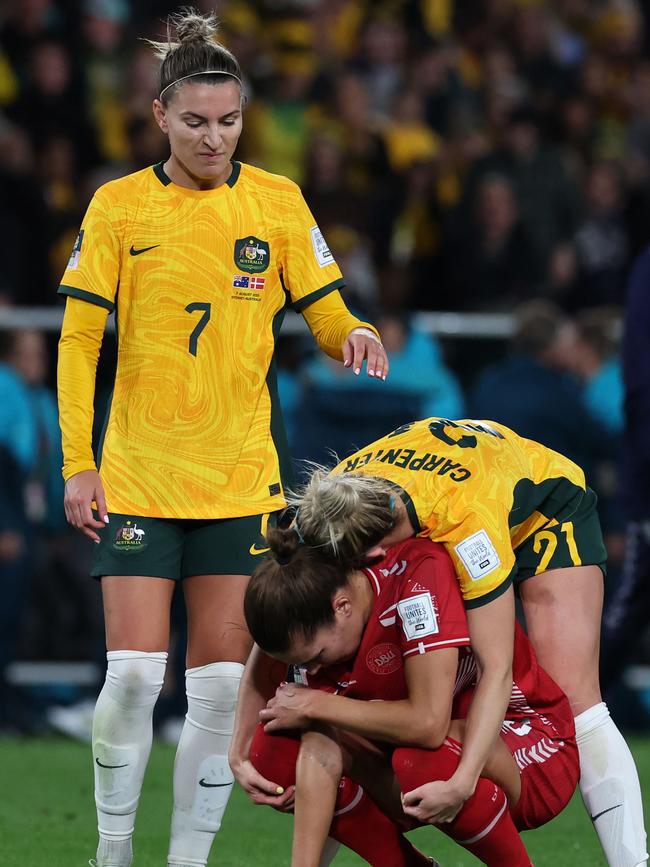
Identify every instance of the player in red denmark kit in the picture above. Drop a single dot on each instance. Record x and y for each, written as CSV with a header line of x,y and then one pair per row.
x,y
397,632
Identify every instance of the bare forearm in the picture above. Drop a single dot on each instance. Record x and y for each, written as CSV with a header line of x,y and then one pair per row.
x,y
257,685
318,772
398,722
484,719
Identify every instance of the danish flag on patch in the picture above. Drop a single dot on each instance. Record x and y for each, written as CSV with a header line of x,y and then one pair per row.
x,y
256,282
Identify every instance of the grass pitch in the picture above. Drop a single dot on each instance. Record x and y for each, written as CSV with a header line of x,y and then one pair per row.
x,y
47,817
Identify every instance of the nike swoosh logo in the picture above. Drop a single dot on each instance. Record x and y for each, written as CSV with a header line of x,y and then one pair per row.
x,y
254,550
135,252
101,765
205,785
608,810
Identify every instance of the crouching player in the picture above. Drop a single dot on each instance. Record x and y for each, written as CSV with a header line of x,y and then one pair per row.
x,y
383,653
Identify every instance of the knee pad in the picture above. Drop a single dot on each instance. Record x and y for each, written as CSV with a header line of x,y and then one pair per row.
x,y
212,695
134,678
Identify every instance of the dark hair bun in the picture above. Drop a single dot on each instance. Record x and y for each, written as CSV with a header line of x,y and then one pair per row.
x,y
283,543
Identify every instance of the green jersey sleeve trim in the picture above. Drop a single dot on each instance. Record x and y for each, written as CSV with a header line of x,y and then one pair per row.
x,y
86,296
492,595
302,303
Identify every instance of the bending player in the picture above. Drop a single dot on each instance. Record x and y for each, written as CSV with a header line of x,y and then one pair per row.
x,y
398,632
511,514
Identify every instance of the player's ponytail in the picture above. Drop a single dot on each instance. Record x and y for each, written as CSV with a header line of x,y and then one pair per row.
x,y
195,51
290,593
344,515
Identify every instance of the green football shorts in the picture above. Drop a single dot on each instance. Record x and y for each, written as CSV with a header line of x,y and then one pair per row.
x,y
176,549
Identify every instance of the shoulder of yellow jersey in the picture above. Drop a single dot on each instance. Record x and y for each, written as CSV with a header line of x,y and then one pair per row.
x,y
125,188
267,180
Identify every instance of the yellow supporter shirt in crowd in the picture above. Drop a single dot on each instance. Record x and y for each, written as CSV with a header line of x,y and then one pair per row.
x,y
476,487
200,282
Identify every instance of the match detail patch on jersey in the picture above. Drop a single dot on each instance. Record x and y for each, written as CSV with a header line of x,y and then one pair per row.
x,y
321,250
478,555
73,262
418,616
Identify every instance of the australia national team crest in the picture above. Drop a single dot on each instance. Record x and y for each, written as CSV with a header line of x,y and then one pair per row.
x,y
251,254
129,538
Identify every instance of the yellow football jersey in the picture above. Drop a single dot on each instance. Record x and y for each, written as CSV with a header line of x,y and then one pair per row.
x,y
200,282
476,487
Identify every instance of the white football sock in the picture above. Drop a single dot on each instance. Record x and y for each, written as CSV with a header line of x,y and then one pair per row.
x,y
122,734
610,788
203,780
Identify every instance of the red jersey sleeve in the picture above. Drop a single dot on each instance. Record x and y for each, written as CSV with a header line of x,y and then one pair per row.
x,y
430,612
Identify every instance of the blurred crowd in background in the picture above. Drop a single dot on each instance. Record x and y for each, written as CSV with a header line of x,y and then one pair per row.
x,y
458,155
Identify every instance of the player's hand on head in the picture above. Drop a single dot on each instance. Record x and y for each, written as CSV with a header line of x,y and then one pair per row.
x,y
260,790
360,344
81,491
434,803
288,709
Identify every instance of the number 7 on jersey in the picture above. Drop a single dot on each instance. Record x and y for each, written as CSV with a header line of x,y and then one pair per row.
x,y
203,321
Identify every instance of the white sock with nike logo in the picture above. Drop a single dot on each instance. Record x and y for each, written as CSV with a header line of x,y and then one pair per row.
x,y
122,734
203,780
610,788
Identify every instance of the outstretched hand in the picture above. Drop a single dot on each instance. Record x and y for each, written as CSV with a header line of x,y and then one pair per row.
x,y
81,491
362,343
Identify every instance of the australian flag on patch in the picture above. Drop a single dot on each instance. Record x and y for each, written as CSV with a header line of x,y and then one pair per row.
x,y
240,281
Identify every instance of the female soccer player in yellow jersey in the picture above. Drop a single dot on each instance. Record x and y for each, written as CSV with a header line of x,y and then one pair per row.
x,y
199,258
512,514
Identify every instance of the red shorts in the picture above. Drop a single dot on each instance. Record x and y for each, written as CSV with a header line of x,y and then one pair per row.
x,y
549,769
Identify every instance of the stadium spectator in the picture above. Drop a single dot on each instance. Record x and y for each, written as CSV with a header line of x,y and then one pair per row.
x,y
531,392
602,247
594,358
490,262
335,413
147,244
18,455
628,609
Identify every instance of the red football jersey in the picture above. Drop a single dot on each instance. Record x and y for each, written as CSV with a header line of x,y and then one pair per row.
x,y
418,609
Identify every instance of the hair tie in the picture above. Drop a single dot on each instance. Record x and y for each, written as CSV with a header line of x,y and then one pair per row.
x,y
391,503
296,530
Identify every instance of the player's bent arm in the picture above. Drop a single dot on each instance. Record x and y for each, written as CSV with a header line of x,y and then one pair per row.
x,y
420,720
259,681
331,322
491,628
318,773
79,345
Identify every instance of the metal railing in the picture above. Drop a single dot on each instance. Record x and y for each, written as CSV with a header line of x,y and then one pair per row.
x,y
497,326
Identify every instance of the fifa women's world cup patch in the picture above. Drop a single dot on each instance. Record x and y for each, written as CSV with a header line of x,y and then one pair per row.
x,y
321,250
252,254
478,554
129,538
418,616
73,262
